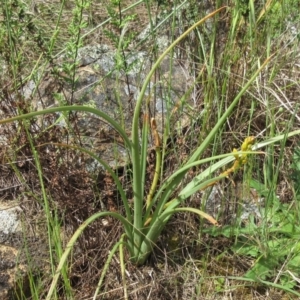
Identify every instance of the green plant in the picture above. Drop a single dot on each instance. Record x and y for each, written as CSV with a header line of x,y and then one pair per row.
x,y
143,224
18,32
119,35
279,255
273,242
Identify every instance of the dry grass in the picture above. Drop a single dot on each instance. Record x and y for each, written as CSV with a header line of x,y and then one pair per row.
x,y
186,263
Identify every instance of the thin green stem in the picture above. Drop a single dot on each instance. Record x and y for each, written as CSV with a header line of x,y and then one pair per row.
x,y
97,112
106,265
122,264
75,237
136,157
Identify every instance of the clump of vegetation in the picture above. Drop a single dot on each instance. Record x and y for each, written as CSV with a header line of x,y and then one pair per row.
x,y
241,97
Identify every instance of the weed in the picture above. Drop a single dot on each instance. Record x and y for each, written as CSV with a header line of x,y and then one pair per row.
x,y
228,100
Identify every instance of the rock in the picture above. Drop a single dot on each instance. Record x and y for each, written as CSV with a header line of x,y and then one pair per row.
x,y
9,220
233,201
102,82
16,250
10,226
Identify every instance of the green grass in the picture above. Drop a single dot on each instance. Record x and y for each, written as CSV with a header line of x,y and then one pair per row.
x,y
244,73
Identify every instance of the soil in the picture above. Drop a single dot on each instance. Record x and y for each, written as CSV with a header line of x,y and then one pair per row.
x,y
77,187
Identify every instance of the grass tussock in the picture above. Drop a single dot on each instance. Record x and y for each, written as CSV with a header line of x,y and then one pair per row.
x,y
241,69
